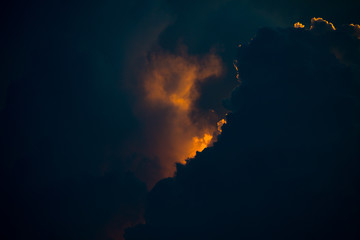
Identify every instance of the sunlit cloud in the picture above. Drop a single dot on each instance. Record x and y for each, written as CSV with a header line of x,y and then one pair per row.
x,y
176,128
321,24
299,25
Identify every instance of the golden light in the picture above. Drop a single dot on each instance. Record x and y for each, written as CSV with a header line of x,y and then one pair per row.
x,y
299,25
200,144
220,124
356,29
171,89
313,20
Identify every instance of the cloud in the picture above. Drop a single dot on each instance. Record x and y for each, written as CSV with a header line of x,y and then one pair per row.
x,y
298,25
286,163
356,28
321,25
69,121
174,126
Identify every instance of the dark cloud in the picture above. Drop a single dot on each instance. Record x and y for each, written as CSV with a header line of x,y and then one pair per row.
x,y
319,25
286,164
71,83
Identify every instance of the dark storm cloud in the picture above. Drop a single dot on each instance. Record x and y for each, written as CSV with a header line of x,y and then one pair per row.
x,y
286,165
202,25
69,84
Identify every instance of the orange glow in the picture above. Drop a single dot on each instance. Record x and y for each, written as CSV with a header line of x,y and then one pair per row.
x,y
356,29
220,124
356,26
237,70
299,25
172,79
199,144
313,20
178,129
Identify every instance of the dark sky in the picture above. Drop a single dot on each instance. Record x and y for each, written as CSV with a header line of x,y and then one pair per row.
x,y
100,99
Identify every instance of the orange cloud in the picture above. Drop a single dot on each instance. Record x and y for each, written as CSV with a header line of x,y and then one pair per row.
x,y
171,80
220,124
356,28
299,25
319,24
175,128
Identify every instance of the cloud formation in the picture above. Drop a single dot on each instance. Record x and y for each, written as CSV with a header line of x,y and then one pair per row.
x,y
69,130
286,165
321,25
175,128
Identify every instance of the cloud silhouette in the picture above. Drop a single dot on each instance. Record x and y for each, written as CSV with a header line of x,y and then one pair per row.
x,y
287,161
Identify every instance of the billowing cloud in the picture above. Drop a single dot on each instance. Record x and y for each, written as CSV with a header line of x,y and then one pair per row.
x,y
319,24
356,28
286,165
70,128
174,127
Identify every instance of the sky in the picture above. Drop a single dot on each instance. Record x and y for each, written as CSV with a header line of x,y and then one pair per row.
x,y
124,120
